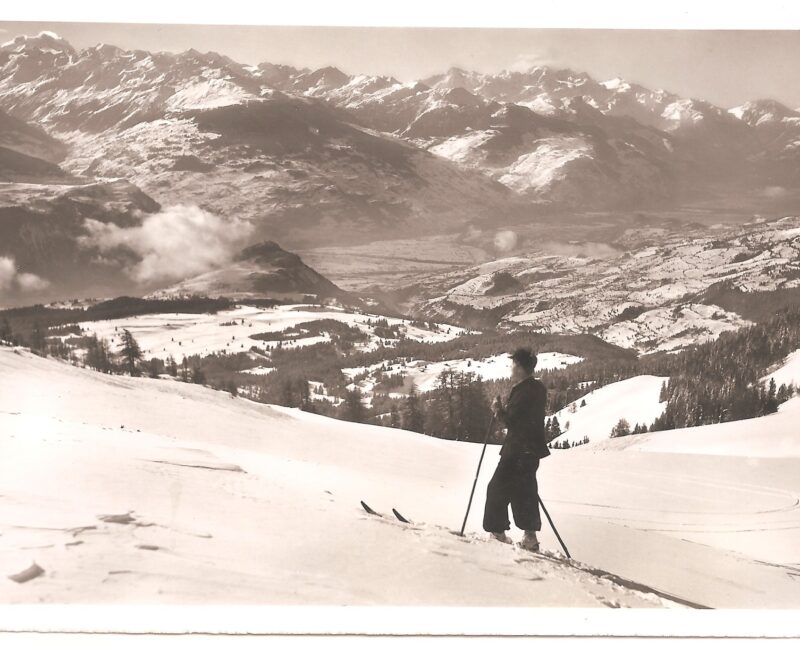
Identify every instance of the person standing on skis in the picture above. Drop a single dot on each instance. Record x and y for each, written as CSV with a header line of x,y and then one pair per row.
x,y
514,480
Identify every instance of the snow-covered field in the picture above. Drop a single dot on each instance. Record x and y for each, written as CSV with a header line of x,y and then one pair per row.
x,y
634,399
425,375
180,334
137,490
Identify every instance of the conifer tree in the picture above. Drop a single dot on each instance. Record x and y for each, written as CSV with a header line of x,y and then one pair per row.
x,y
413,416
131,353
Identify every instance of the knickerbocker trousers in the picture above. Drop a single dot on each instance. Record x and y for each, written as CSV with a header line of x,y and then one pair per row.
x,y
514,483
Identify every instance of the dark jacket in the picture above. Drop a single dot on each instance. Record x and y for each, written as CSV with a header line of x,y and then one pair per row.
x,y
524,419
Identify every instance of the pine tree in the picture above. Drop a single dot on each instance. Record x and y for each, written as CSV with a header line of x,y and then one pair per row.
x,y
98,355
6,333
413,414
771,402
354,409
38,340
287,394
306,403
622,428
172,367
198,375
154,367
131,353
394,416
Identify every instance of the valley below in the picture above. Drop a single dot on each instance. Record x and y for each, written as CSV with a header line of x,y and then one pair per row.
x,y
237,300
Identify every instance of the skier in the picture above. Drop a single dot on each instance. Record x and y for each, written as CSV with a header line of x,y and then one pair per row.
x,y
514,480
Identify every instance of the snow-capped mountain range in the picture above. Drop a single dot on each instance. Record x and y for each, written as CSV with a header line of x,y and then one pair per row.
x,y
548,135
102,150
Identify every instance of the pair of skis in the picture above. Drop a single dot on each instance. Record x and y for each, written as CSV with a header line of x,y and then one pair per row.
x,y
569,561
399,516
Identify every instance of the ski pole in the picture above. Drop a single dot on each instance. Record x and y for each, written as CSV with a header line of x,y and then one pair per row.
x,y
475,482
553,526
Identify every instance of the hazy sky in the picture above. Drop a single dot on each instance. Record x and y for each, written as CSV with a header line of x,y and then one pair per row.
x,y
725,67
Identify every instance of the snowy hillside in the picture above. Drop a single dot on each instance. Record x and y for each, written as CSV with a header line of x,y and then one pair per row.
x,y
773,436
425,375
189,495
787,373
634,399
654,289
181,334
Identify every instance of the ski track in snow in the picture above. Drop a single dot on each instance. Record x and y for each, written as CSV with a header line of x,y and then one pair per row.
x,y
135,490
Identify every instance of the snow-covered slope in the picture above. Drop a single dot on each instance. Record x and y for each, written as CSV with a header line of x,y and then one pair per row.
x,y
125,490
788,372
139,490
634,399
773,436
425,375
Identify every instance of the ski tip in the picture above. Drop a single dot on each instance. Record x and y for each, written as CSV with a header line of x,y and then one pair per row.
x,y
399,516
368,509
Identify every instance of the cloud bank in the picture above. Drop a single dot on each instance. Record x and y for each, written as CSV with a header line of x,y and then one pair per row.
x,y
12,280
173,244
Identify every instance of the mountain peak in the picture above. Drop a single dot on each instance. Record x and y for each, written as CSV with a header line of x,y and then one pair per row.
x,y
261,270
617,83
44,40
763,111
268,253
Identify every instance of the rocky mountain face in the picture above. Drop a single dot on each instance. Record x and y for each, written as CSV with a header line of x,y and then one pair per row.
x,y
27,139
628,146
202,129
777,130
106,153
264,270
311,154
43,234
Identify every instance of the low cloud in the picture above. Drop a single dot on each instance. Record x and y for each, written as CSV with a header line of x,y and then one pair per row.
x,y
505,241
172,244
775,192
582,250
525,62
12,280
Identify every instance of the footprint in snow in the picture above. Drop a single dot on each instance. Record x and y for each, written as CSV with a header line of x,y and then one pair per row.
x,y
126,519
33,571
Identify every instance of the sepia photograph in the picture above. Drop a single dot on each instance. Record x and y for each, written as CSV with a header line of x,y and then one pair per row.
x,y
446,318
